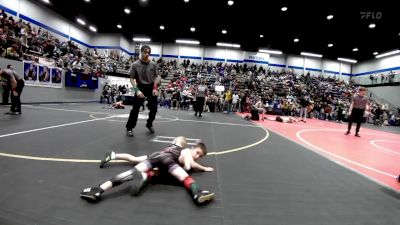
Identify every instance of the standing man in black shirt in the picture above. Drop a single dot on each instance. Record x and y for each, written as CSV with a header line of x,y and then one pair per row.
x,y
359,104
144,79
303,110
17,84
201,94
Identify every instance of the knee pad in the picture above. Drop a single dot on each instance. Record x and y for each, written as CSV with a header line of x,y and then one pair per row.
x,y
122,177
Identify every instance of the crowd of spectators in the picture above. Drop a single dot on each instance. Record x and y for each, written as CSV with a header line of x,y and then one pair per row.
x,y
20,40
280,93
245,85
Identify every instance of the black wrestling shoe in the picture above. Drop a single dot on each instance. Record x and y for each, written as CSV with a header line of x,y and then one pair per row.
x,y
129,133
15,113
91,194
203,196
357,135
107,158
398,179
347,133
151,129
137,183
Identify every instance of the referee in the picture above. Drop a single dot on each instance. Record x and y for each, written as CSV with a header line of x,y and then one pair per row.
x,y
144,78
359,104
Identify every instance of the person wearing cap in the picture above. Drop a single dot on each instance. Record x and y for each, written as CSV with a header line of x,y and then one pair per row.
x,y
168,159
358,107
144,78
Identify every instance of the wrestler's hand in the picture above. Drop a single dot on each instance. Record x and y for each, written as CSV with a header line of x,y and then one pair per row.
x,y
139,94
155,92
208,169
15,93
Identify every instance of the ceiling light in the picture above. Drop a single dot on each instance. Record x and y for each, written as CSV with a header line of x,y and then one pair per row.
x,y
230,2
162,27
142,39
221,44
311,54
376,53
80,21
193,29
276,52
387,54
144,1
191,42
329,17
330,45
261,36
92,28
296,40
284,9
127,11
372,26
87,1
355,49
347,60
46,1
186,1
224,31
119,26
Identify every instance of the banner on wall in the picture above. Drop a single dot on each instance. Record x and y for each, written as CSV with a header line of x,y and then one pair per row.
x,y
41,75
256,58
81,80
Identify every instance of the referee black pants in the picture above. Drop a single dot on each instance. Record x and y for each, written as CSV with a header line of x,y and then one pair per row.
x,y
16,100
199,105
147,90
357,116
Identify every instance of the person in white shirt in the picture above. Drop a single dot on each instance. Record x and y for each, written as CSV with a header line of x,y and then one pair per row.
x,y
260,107
235,102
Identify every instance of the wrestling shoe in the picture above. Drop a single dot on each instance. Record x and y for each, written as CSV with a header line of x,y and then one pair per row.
x,y
201,197
91,194
129,133
107,158
151,129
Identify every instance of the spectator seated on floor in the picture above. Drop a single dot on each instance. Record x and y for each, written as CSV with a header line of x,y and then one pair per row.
x,y
255,115
260,107
284,119
116,105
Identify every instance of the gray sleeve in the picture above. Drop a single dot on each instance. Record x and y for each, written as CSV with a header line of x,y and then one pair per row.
x,y
132,71
17,76
156,71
